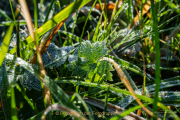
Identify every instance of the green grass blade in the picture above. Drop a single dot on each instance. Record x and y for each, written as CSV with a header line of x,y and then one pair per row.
x,y
4,91
13,104
95,37
6,42
72,36
83,103
5,15
56,19
50,7
14,15
26,98
157,58
127,112
130,66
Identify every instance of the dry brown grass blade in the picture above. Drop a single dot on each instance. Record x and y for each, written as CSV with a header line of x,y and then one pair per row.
x,y
30,25
63,108
125,80
42,49
47,41
146,7
28,20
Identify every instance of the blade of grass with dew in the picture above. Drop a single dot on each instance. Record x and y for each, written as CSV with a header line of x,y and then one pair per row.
x,y
56,19
157,57
72,36
6,42
104,15
126,39
4,92
130,66
113,18
21,22
96,31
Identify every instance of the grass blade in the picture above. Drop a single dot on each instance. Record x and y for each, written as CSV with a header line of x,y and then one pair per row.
x,y
157,58
6,42
4,90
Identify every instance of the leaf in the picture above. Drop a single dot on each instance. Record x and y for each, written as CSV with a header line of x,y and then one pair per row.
x,y
89,64
55,56
104,69
79,68
94,51
29,81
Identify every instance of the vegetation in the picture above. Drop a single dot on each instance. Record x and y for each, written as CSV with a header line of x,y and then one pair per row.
x,y
89,59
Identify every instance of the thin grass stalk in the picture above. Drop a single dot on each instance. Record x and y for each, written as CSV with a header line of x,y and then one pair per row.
x,y
105,18
157,58
12,13
47,14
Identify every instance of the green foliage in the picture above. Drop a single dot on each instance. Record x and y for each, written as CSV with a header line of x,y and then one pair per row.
x,y
73,60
